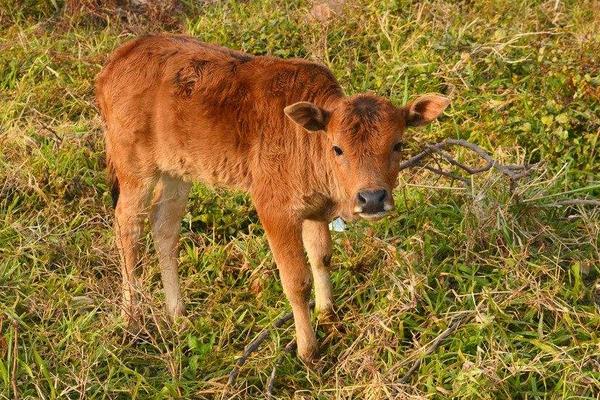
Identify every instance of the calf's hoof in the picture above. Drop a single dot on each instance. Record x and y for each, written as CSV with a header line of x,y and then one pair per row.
x,y
326,313
308,353
132,318
175,310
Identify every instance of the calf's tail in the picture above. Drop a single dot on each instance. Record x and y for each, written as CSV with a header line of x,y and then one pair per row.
x,y
113,181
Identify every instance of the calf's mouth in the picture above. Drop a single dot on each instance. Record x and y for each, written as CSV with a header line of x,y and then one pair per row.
x,y
373,214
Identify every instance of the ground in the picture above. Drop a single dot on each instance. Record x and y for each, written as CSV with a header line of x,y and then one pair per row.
x,y
518,267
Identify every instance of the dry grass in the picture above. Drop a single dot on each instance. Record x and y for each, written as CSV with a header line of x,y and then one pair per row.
x,y
521,269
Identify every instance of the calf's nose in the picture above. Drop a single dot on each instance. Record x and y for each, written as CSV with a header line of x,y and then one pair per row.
x,y
371,201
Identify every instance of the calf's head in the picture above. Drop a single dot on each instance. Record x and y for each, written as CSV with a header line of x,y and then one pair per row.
x,y
364,141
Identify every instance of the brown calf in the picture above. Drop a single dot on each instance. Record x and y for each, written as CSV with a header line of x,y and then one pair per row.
x,y
178,110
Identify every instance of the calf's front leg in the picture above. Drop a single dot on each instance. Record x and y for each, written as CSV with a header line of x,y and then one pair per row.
x,y
285,240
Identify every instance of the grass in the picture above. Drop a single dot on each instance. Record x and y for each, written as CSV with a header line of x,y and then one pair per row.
x,y
525,270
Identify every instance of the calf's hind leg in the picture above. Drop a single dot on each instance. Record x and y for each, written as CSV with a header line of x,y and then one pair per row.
x,y
317,243
168,208
130,212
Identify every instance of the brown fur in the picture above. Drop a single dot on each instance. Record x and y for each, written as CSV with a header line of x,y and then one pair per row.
x,y
178,110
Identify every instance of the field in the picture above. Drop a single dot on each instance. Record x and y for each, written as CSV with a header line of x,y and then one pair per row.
x,y
517,270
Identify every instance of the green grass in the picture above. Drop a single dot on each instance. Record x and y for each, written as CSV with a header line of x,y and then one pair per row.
x,y
525,271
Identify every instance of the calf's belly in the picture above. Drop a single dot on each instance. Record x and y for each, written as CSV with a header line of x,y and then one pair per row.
x,y
208,165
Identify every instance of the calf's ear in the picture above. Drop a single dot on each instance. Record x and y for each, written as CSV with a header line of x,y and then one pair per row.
x,y
307,115
425,109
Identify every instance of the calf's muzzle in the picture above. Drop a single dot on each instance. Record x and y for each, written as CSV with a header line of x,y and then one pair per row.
x,y
372,202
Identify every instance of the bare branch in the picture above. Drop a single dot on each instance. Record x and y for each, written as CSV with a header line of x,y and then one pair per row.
x,y
513,172
455,323
578,202
13,375
271,381
447,174
255,344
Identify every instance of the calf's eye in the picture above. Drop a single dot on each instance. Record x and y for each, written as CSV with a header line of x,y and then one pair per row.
x,y
398,146
337,151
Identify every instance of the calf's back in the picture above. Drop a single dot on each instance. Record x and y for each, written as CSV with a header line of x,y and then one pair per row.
x,y
201,112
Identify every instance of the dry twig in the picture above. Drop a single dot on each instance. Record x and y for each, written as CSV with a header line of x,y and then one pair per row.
x,y
255,344
578,202
271,381
13,376
513,172
455,323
